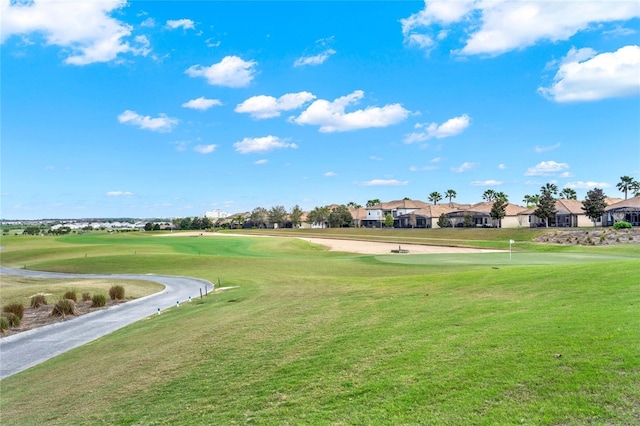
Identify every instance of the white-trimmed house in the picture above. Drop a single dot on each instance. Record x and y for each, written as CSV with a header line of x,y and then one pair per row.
x,y
480,215
377,213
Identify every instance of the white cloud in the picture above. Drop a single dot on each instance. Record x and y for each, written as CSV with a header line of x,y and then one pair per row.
x,y
119,194
148,23
546,168
496,27
585,76
263,144
540,149
489,182
259,162
463,167
201,103
502,166
84,29
162,123
451,127
314,60
205,149
587,185
331,174
374,158
232,71
384,182
185,24
331,116
262,106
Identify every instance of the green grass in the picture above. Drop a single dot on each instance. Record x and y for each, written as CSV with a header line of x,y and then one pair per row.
x,y
317,337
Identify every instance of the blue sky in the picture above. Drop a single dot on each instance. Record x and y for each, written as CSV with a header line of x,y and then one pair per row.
x,y
169,109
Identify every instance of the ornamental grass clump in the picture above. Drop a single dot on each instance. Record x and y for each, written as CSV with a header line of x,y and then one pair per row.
x,y
116,292
12,319
86,297
63,308
38,300
4,324
71,295
14,308
98,301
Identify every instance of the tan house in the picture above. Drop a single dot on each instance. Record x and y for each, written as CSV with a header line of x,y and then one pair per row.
x,y
625,210
425,217
480,216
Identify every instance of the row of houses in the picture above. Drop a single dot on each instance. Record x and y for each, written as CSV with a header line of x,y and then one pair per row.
x,y
419,214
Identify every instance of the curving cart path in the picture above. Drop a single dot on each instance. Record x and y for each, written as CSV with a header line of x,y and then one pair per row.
x,y
23,350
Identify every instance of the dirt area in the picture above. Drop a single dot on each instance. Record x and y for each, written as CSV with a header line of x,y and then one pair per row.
x,y
591,237
38,317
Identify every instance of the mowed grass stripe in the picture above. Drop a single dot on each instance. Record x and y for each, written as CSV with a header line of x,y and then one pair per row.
x,y
312,337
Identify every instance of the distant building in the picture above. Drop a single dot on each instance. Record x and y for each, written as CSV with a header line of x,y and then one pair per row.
x,y
216,214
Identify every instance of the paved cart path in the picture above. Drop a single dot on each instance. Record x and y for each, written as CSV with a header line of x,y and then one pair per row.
x,y
23,350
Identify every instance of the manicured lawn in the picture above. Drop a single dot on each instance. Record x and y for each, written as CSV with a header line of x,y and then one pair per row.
x,y
316,337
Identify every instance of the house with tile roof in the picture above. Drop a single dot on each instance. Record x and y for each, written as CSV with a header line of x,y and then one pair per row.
x,y
625,210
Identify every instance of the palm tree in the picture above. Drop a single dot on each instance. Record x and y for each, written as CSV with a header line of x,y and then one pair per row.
x,y
489,195
450,193
373,202
635,188
353,205
502,196
551,188
435,196
568,194
625,185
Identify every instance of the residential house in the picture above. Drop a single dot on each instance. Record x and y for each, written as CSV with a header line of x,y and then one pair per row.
x,y
376,214
625,210
480,216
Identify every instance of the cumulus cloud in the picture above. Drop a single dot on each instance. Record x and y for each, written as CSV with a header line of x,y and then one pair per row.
x,y
232,71
162,123
451,127
201,103
489,182
384,182
119,194
496,27
205,149
466,166
261,106
84,29
185,24
584,75
546,168
331,116
263,144
587,185
315,59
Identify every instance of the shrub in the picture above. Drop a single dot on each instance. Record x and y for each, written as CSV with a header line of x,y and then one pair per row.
x,y
98,301
14,308
4,324
71,295
86,297
12,319
116,292
63,308
622,225
38,300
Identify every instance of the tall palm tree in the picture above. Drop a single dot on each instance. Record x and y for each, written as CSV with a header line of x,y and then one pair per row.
x,y
450,193
502,196
626,183
568,194
489,195
635,188
551,188
435,196
373,202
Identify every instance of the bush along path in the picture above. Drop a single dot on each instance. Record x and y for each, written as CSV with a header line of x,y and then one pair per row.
x,y
21,351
